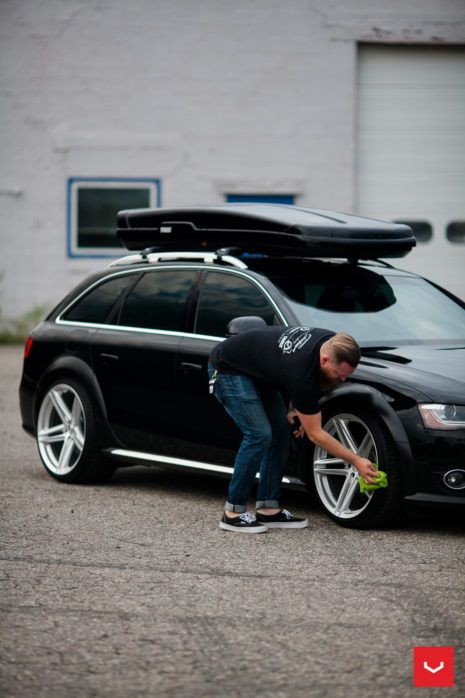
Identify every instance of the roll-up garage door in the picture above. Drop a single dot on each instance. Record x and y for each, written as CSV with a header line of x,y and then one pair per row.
x,y
410,158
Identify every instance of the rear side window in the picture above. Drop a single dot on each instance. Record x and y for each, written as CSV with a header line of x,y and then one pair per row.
x,y
226,296
96,305
159,301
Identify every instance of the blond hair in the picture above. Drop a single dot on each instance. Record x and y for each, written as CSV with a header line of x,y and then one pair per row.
x,y
342,347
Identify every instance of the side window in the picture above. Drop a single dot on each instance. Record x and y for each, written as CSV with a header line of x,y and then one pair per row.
x,y
158,301
96,305
225,296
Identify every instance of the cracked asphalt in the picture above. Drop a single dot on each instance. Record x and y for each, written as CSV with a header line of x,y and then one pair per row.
x,y
131,589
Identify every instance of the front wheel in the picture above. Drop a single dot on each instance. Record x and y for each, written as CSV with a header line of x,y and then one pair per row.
x,y
67,435
336,482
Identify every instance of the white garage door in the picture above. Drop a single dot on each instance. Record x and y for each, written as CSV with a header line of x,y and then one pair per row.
x,y
411,151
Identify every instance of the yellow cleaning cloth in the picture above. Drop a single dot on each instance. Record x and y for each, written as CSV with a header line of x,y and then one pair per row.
x,y
381,481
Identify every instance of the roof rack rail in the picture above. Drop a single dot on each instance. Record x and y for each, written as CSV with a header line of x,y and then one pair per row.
x,y
150,257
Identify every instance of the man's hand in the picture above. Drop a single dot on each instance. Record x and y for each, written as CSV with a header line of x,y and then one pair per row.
x,y
367,470
294,421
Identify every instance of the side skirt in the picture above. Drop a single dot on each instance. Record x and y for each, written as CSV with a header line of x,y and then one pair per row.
x,y
184,463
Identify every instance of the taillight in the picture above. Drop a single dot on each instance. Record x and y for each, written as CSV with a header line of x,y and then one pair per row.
x,y
28,347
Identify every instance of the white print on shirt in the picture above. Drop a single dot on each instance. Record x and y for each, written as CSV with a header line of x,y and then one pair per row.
x,y
294,339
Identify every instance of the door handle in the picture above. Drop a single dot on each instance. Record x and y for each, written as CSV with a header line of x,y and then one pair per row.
x,y
190,368
106,357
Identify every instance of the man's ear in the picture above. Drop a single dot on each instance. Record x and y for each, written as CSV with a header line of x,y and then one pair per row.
x,y
324,359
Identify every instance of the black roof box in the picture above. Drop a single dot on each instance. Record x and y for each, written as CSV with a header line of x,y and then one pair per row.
x,y
270,229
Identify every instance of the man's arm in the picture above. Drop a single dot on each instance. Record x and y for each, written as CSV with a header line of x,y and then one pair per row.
x,y
311,424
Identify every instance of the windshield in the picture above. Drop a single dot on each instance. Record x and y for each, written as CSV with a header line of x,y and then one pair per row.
x,y
396,310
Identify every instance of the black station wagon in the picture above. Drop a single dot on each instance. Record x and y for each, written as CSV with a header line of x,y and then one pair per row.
x,y
117,373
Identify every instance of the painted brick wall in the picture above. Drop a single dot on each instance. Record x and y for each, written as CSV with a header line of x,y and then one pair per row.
x,y
210,96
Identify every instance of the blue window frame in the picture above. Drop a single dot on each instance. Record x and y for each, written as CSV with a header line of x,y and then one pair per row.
x,y
93,203
260,199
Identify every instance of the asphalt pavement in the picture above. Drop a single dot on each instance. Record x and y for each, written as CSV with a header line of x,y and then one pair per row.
x,y
130,589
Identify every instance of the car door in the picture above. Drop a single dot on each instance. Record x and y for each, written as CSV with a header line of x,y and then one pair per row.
x,y
222,295
134,359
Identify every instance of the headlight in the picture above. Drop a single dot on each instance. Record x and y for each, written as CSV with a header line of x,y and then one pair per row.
x,y
443,416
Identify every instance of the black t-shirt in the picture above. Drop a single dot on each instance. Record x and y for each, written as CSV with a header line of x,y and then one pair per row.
x,y
278,357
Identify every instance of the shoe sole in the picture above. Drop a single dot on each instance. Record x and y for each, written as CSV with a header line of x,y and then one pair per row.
x,y
240,529
284,524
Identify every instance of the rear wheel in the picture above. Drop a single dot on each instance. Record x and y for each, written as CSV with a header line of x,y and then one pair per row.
x,y
336,482
67,435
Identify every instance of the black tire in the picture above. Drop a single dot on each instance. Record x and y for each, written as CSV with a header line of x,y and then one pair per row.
x,y
67,435
376,509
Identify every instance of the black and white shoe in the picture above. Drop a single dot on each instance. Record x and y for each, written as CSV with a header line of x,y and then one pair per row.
x,y
283,519
244,523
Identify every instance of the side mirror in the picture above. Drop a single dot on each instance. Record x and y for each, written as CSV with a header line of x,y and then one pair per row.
x,y
246,322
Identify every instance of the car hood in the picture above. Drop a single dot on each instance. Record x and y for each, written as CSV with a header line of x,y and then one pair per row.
x,y
433,372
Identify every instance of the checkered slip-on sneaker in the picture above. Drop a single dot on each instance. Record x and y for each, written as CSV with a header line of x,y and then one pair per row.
x,y
282,519
244,523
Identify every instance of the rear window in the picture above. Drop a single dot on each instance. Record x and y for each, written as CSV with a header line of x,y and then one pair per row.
x,y
96,305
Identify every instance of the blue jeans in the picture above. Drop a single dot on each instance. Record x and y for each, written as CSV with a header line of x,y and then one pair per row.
x,y
261,415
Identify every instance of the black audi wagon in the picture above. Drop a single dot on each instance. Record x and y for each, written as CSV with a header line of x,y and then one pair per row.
x,y
117,372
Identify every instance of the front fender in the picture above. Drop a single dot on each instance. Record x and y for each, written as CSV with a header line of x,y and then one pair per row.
x,y
351,394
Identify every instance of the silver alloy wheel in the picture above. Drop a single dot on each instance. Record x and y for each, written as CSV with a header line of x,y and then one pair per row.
x,y
336,481
61,429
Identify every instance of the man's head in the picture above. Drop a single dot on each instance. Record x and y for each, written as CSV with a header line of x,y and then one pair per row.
x,y
339,357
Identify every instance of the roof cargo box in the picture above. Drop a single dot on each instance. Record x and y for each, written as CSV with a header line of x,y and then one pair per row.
x,y
269,229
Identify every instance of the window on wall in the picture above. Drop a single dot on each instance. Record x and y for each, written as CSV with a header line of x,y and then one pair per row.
x,y
422,230
455,231
260,199
92,207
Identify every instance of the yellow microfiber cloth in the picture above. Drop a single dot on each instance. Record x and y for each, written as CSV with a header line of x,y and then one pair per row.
x,y
381,481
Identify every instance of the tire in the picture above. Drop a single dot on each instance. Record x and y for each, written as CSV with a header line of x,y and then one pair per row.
x,y
336,482
67,435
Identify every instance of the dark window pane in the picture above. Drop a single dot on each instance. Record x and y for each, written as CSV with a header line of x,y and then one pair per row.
x,y
455,231
96,305
158,301
97,208
260,198
422,230
225,296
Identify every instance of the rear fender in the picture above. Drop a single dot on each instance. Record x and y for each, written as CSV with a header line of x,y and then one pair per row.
x,y
71,367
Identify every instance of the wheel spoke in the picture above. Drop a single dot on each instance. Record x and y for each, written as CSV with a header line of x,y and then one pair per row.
x,y
78,438
366,446
327,461
52,439
60,405
346,495
65,455
76,412
330,471
344,435
52,434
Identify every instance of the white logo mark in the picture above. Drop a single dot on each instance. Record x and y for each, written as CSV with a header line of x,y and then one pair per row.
x,y
433,671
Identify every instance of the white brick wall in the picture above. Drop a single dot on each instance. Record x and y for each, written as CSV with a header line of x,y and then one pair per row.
x,y
209,96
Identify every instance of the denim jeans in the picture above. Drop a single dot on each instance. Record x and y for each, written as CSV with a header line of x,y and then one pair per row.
x,y
261,415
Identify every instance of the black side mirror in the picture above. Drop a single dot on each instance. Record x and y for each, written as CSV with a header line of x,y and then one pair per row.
x,y
247,322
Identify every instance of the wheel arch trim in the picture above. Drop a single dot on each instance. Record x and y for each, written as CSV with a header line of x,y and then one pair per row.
x,y
76,368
